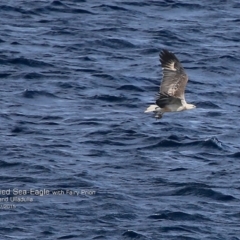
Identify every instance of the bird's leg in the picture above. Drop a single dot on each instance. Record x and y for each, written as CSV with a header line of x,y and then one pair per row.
x,y
158,115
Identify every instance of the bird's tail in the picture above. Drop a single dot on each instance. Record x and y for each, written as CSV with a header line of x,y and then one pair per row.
x,y
151,108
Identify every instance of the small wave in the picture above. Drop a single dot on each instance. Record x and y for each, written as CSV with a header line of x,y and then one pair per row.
x,y
51,118
8,164
129,87
54,146
87,70
138,3
34,75
98,132
60,153
58,6
105,29
104,76
214,114
207,104
68,85
133,235
235,155
111,7
178,169
69,236
90,122
18,179
178,230
110,98
177,216
58,3
229,57
211,143
34,93
49,123
18,129
168,143
189,6
39,168
111,217
202,192
29,62
15,43
4,75
100,237
96,153
106,142
166,35
218,94
115,43
8,8
22,129
65,85
80,10
235,20
148,51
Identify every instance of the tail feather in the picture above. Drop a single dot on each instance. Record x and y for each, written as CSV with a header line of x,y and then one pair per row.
x,y
152,108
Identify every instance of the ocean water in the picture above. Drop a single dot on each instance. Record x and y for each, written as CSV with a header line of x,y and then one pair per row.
x,y
79,157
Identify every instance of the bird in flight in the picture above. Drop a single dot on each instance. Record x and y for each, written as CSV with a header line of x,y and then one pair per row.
x,y
171,95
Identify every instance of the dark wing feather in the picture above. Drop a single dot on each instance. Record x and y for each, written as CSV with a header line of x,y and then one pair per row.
x,y
174,77
164,99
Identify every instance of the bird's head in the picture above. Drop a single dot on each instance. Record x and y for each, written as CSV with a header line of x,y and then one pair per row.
x,y
190,106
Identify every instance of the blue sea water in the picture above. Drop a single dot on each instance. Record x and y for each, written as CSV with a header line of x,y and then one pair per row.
x,y
79,157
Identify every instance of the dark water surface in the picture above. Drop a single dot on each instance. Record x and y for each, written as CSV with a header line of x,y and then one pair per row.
x,y
76,77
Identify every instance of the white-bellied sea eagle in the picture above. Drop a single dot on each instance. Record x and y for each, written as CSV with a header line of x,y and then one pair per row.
x,y
171,95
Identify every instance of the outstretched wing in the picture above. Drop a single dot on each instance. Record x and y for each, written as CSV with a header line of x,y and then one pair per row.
x,y
174,78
